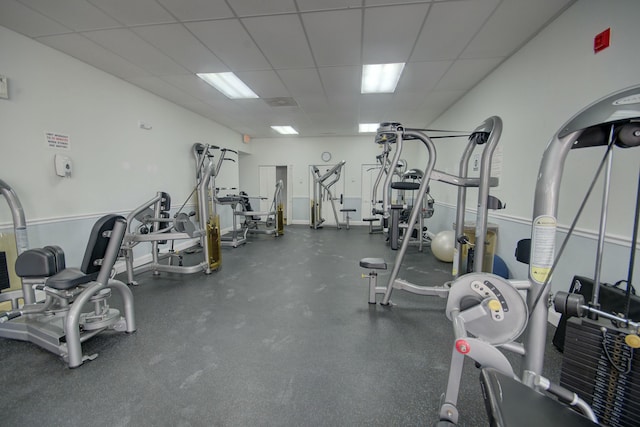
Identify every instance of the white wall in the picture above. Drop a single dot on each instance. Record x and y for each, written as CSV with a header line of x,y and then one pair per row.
x,y
300,153
535,92
116,165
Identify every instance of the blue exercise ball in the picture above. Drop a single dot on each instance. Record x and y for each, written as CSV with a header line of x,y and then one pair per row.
x,y
500,267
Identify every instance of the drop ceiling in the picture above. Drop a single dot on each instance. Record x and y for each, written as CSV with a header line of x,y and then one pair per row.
x,y
308,53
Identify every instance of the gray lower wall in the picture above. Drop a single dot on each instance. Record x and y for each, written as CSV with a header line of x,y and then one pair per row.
x,y
578,257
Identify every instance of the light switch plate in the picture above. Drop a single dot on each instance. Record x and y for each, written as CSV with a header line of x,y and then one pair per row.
x,y
4,87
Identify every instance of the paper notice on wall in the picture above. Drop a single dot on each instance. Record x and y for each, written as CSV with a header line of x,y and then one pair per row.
x,y
496,162
58,140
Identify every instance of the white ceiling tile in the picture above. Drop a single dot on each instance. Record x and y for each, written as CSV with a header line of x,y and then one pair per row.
x,y
449,28
254,106
231,43
230,106
175,41
421,76
519,20
390,32
24,20
162,89
195,87
341,104
75,14
128,45
265,83
408,100
335,37
189,10
317,47
138,12
465,73
261,7
373,104
93,54
341,80
312,104
302,82
311,5
281,39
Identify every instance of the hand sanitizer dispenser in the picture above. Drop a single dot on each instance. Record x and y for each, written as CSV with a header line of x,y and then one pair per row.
x,y
63,165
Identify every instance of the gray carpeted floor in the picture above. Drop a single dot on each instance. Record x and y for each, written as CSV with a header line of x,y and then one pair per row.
x,y
281,335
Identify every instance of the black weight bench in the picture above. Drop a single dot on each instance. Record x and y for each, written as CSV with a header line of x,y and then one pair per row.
x,y
373,264
347,216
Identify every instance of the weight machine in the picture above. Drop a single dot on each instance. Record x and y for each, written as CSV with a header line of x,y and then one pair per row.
x,y
486,136
401,210
322,184
384,169
58,323
271,220
489,312
157,227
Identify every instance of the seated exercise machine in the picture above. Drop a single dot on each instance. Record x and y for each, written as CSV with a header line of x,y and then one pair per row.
x,y
487,136
489,312
248,221
322,184
271,220
384,169
58,323
401,210
156,226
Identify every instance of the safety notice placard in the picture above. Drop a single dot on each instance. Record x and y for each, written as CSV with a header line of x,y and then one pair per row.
x,y
543,245
58,140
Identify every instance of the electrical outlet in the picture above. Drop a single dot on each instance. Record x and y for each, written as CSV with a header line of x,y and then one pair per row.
x,y
4,87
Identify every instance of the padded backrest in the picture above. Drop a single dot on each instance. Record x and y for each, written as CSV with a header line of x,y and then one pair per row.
x,y
97,245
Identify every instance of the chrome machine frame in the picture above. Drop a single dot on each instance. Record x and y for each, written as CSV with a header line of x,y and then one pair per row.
x,y
322,184
612,120
57,323
487,134
180,227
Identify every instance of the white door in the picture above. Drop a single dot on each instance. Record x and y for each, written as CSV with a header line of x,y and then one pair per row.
x,y
267,175
337,190
368,178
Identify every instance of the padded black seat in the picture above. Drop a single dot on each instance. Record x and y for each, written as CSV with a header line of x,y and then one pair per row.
x,y
510,403
40,262
69,278
373,263
229,200
49,261
405,185
370,219
347,210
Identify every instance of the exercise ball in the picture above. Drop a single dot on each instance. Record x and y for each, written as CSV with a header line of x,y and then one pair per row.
x,y
500,267
443,244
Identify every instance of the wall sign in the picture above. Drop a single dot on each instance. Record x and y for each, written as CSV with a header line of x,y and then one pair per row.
x,y
58,140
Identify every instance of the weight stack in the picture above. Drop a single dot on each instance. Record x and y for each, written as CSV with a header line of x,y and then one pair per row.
x,y
603,370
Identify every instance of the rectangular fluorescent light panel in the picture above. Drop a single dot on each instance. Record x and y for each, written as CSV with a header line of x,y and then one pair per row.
x,y
368,127
381,78
229,84
285,130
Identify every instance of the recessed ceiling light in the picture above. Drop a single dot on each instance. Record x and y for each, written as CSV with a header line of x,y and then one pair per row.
x,y
285,130
229,84
381,78
368,127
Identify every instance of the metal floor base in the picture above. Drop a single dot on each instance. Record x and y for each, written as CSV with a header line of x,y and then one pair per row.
x,y
281,335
